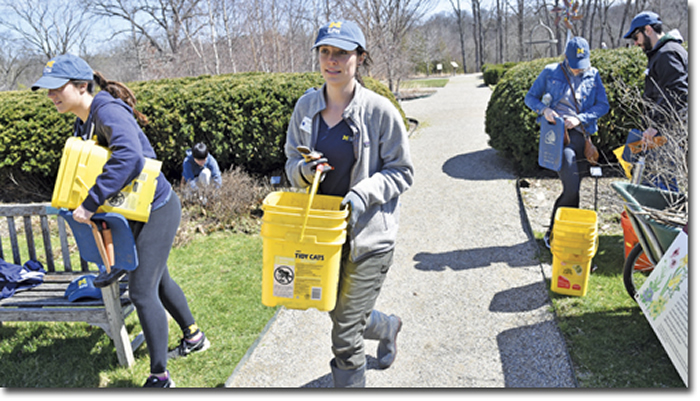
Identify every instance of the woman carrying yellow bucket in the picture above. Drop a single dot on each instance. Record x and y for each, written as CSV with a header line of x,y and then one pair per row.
x,y
362,135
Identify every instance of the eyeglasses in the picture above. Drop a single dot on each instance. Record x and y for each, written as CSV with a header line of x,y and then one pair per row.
x,y
635,33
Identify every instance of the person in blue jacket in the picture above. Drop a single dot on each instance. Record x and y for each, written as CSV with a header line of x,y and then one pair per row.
x,y
200,167
110,118
551,96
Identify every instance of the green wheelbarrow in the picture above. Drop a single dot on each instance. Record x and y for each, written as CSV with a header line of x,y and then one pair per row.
x,y
655,237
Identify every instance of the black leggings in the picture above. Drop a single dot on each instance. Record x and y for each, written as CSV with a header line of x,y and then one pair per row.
x,y
150,287
573,166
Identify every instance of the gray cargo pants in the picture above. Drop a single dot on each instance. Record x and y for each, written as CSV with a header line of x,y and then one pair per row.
x,y
358,288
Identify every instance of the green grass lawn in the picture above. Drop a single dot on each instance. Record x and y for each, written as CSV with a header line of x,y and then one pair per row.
x,y
609,339
221,277
424,83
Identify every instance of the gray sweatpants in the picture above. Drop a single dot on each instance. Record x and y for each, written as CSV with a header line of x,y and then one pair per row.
x,y
358,288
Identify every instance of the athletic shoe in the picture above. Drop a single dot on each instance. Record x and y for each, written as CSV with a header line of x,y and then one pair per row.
x,y
187,347
155,381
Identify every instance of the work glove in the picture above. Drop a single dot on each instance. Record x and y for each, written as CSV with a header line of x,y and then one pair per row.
x,y
357,207
308,169
312,159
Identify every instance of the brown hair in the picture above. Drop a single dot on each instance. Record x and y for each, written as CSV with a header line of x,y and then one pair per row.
x,y
119,91
366,64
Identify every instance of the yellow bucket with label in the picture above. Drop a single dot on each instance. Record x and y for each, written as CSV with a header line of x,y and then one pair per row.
x,y
574,244
303,237
82,161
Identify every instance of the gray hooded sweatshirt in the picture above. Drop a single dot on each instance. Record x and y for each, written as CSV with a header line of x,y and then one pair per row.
x,y
382,171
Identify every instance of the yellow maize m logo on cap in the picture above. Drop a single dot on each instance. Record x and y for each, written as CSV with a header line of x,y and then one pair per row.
x,y
335,25
49,66
580,51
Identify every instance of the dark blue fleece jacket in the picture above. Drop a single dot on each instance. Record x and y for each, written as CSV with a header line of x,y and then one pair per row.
x,y
113,124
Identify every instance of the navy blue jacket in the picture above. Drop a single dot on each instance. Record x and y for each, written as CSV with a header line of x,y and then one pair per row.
x,y
113,124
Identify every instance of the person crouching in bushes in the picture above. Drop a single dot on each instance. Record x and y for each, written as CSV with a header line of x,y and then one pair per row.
x,y
574,91
200,167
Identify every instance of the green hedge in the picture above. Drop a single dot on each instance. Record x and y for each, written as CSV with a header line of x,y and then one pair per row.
x,y
492,73
242,118
511,125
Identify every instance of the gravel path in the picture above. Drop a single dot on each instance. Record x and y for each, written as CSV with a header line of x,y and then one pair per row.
x,y
465,279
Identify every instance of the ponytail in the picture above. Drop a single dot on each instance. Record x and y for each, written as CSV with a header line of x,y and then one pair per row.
x,y
366,64
120,91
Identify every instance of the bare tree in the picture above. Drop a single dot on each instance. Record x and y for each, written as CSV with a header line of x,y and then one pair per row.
x,y
478,34
386,24
459,14
12,64
153,19
47,28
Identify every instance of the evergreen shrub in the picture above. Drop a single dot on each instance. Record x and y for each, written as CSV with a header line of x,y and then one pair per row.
x,y
242,118
511,125
492,73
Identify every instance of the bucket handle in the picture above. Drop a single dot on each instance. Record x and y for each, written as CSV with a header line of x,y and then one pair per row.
x,y
312,192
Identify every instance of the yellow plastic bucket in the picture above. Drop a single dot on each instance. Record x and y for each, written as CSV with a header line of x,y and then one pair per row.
x,y
574,244
303,236
570,275
81,163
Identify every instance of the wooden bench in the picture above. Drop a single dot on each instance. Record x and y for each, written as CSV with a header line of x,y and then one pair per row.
x,y
45,302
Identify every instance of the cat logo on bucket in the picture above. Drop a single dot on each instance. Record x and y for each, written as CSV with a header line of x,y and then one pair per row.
x,y
117,200
284,275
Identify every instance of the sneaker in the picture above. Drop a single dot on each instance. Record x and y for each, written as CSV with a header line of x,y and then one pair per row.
x,y
155,381
187,347
547,239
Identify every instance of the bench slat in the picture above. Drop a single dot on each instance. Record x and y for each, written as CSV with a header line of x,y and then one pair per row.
x,y
92,315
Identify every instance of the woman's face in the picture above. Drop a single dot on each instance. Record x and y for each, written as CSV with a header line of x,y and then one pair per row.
x,y
67,98
338,66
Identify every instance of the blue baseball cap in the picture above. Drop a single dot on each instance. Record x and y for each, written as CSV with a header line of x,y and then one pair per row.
x,y
344,35
61,69
641,20
578,54
83,287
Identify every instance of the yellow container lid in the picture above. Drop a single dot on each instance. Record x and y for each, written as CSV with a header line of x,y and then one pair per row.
x,y
294,202
576,216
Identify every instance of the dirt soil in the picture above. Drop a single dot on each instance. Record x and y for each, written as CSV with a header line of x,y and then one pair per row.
x,y
540,192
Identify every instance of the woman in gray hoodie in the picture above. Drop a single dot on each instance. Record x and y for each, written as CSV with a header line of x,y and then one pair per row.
x,y
362,135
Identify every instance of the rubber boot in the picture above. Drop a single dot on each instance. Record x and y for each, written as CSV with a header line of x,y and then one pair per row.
x,y
347,378
385,329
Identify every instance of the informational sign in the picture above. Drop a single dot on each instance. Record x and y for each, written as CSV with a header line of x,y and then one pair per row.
x,y
664,299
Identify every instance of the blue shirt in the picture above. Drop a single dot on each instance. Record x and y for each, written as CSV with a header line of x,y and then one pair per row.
x,y
191,170
336,145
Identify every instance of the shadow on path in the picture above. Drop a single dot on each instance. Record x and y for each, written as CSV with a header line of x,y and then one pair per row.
x,y
326,381
475,258
549,365
482,165
520,299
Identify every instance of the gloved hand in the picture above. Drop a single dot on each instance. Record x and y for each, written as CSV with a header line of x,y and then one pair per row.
x,y
308,169
357,206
